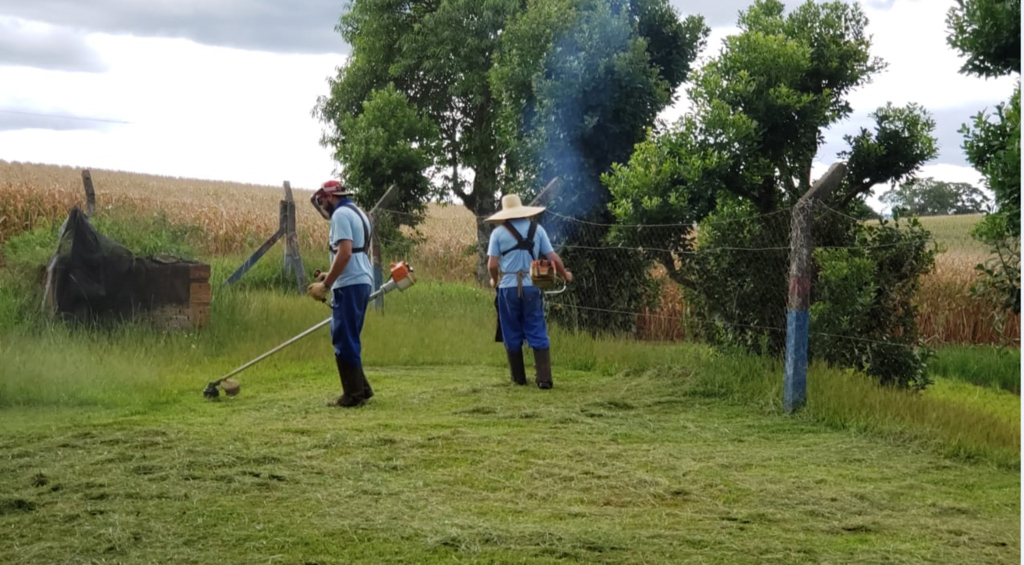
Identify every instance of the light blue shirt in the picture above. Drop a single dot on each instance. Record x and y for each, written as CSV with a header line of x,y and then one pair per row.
x,y
519,260
348,224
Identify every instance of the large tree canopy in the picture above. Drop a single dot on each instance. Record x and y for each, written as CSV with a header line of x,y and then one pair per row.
x,y
501,80
580,82
438,54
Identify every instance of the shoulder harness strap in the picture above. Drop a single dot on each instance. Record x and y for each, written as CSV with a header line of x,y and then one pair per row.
x,y
522,244
366,231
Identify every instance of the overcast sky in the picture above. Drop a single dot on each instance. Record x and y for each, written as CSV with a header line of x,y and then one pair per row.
x,y
223,89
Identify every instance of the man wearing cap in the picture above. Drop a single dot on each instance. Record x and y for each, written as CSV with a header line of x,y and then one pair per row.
x,y
516,243
349,282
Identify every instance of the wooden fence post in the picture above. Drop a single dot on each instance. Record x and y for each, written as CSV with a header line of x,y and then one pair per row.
x,y
90,194
798,310
292,256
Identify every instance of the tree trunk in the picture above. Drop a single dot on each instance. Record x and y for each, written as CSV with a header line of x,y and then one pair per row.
x,y
483,204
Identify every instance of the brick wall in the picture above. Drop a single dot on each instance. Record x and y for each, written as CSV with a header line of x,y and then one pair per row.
x,y
190,315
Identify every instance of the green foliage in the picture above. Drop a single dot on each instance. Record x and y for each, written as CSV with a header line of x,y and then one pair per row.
x,y
736,278
1001,272
389,142
438,55
993,148
863,314
930,197
745,153
149,235
580,82
901,142
987,33
860,209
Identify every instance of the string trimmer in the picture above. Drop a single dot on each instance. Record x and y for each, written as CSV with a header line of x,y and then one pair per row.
x,y
402,277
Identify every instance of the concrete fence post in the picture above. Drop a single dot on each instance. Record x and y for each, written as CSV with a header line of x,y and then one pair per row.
x,y
800,269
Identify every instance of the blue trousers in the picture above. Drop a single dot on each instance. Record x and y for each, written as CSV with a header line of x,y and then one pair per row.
x,y
348,312
522,318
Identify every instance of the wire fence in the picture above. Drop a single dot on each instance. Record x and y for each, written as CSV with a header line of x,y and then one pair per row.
x,y
674,282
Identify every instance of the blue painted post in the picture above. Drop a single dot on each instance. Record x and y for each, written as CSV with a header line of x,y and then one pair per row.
x,y
798,318
797,335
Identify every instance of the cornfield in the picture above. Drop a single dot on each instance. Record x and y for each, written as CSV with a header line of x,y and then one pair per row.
x,y
234,218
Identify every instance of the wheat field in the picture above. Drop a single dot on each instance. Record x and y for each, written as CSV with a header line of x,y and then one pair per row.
x,y
236,218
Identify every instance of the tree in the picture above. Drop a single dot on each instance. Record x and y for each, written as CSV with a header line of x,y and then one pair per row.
x,y
389,142
744,154
987,34
930,197
993,147
580,82
438,54
442,56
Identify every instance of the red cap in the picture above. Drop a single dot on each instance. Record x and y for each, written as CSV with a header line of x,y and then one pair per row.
x,y
333,187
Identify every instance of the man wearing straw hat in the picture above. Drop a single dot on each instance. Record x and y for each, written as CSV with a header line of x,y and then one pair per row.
x,y
519,241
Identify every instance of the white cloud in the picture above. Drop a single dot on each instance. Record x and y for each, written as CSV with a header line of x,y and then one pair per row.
x,y
45,46
221,113
194,111
911,37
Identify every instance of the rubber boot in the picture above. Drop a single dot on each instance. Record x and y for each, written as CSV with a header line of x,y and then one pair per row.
x,y
542,361
367,391
351,386
517,366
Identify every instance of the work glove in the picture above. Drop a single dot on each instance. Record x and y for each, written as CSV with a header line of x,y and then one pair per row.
x,y
318,291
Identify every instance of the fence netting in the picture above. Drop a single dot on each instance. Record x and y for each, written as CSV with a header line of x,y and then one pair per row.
x,y
727,278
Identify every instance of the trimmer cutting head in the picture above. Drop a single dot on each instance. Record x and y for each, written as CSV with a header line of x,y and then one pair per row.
x,y
211,391
231,388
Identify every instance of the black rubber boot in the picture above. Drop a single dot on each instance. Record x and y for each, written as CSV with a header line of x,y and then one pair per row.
x,y
367,391
542,362
351,386
517,366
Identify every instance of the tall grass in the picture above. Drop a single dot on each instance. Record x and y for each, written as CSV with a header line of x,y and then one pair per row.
x,y
993,367
449,325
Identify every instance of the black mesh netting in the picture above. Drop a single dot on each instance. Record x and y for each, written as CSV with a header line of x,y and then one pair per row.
x,y
93,278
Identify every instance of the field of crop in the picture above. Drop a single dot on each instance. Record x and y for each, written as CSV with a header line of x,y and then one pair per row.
x,y
233,219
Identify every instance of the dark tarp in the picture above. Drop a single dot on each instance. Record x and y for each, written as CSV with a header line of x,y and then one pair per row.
x,y
91,277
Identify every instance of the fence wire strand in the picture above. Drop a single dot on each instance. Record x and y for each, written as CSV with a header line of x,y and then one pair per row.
x,y
667,259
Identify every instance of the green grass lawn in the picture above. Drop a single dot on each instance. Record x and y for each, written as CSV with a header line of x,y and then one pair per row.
x,y
455,465
643,452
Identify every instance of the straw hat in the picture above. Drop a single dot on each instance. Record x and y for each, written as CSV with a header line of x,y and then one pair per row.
x,y
512,209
